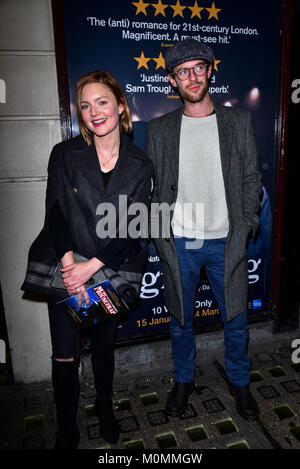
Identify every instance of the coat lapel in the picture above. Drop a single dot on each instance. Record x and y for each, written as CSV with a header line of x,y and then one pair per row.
x,y
225,138
173,132
86,161
126,167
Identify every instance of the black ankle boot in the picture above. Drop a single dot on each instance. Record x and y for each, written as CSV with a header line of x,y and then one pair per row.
x,y
245,403
109,427
178,398
65,382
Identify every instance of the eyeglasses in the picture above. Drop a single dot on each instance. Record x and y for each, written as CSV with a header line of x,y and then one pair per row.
x,y
184,73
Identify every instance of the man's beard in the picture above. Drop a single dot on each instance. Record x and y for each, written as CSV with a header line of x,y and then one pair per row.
x,y
194,97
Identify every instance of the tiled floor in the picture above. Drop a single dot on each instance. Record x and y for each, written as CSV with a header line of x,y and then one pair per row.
x,y
27,417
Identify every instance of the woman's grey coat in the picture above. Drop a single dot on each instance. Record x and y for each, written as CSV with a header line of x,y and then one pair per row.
x,y
242,188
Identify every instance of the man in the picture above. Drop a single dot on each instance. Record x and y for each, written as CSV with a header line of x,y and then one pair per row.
x,y
205,155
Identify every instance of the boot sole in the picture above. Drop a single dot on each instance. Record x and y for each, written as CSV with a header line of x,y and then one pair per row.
x,y
247,417
181,411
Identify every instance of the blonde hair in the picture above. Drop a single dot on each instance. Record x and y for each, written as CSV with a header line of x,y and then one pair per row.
x,y
107,79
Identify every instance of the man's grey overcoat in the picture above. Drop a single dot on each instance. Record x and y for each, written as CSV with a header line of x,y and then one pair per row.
x,y
242,182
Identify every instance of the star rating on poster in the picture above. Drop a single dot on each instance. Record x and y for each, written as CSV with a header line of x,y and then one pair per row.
x,y
178,9
160,8
213,11
196,10
140,7
160,62
142,61
216,63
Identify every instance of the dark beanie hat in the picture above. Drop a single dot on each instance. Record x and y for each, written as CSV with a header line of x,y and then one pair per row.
x,y
186,50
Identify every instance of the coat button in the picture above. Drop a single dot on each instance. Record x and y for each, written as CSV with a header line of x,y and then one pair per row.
x,y
173,187
74,190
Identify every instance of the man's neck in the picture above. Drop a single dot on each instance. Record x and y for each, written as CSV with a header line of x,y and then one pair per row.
x,y
203,108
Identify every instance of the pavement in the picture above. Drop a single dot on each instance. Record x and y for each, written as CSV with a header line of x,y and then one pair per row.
x,y
143,377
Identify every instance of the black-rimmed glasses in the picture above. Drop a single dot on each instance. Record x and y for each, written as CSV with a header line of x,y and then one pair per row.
x,y
184,73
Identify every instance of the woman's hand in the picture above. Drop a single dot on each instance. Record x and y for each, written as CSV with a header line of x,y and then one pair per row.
x,y
82,292
77,274
79,292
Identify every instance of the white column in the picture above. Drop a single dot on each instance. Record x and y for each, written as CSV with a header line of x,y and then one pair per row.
x,y
29,127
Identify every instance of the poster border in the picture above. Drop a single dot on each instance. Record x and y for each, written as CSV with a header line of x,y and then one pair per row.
x,y
280,139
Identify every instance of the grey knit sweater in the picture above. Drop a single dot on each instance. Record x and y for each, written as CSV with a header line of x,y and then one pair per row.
x,y
200,209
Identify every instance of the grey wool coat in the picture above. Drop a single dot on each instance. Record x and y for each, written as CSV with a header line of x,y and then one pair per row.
x,y
242,182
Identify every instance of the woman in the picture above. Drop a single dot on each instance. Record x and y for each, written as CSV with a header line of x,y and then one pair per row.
x,y
87,176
